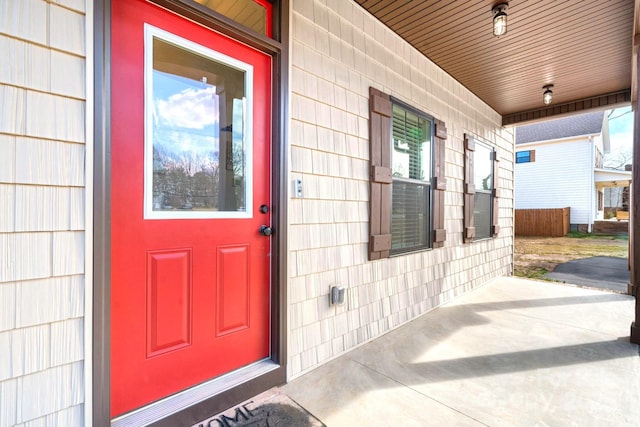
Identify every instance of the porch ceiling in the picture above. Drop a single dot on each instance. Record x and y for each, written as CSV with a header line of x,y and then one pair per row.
x,y
583,47
612,178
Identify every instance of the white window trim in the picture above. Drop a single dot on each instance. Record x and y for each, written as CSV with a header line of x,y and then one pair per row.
x,y
149,33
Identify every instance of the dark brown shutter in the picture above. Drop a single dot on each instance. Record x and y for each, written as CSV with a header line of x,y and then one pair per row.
x,y
532,155
469,232
496,195
439,184
380,174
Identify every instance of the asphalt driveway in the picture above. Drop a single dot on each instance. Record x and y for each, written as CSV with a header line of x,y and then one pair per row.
x,y
600,272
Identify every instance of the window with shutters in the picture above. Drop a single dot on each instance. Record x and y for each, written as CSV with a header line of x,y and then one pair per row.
x,y
481,194
407,178
483,180
411,144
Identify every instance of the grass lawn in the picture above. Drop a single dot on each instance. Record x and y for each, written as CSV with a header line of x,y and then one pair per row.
x,y
535,256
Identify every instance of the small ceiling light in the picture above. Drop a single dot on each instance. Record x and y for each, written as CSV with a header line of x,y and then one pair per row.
x,y
500,19
547,96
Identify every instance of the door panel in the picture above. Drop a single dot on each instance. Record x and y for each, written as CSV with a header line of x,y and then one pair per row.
x,y
190,141
233,289
169,288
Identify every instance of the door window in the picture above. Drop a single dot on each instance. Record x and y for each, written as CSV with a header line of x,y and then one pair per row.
x,y
197,132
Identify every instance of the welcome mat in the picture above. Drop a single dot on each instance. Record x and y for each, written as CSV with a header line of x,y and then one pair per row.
x,y
269,409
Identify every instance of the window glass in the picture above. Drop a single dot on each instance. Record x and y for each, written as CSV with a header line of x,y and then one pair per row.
x,y
411,166
410,216
411,155
254,14
483,168
483,180
482,215
197,149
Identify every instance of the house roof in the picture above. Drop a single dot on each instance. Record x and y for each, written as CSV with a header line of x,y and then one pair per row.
x,y
583,124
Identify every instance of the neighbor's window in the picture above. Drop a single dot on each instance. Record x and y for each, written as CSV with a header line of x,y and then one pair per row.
x,y
600,200
483,180
411,149
525,156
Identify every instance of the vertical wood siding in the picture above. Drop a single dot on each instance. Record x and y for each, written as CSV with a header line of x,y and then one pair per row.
x,y
542,222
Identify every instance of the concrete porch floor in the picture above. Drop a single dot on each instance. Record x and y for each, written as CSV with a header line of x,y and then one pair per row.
x,y
512,353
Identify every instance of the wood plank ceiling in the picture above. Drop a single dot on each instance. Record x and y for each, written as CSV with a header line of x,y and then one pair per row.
x,y
582,47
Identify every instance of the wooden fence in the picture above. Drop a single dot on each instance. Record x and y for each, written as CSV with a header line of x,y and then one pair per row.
x,y
542,222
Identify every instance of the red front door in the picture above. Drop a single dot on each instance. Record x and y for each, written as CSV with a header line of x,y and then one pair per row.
x,y
190,140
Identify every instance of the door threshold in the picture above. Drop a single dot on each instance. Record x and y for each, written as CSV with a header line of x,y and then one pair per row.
x,y
180,401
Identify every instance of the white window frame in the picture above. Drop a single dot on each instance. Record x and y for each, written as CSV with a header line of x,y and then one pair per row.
x,y
151,32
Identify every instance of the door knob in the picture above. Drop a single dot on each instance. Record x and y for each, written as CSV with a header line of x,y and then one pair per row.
x,y
266,231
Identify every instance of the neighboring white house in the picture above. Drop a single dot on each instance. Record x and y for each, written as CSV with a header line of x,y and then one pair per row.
x,y
559,163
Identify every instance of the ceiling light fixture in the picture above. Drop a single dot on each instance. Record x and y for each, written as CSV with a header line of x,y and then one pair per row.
x,y
500,19
547,96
